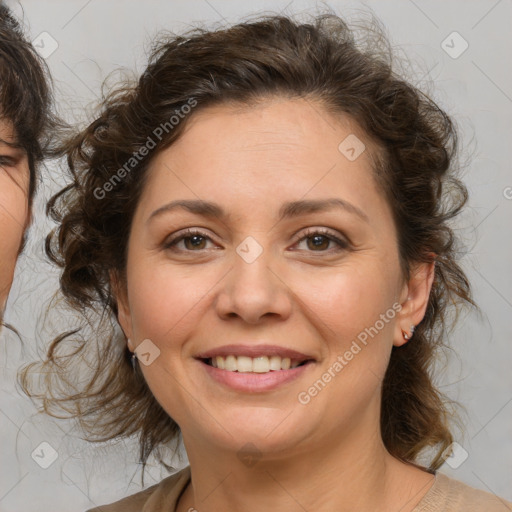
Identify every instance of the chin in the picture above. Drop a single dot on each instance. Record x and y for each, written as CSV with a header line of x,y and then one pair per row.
x,y
267,431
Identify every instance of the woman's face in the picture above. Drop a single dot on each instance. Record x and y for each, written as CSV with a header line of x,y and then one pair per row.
x,y
14,211
271,282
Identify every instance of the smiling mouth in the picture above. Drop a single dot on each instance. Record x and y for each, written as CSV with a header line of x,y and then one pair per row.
x,y
262,364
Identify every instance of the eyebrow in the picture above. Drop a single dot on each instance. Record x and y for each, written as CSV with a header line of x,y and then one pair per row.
x,y
288,210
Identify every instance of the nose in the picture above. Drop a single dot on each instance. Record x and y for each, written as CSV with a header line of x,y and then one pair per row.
x,y
254,289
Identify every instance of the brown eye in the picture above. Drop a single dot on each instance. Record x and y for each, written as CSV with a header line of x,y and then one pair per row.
x,y
196,241
193,241
318,240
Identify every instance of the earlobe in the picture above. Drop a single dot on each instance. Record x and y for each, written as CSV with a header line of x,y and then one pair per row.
x,y
413,310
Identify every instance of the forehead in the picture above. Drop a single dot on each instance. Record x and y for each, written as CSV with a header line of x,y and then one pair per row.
x,y
282,146
276,123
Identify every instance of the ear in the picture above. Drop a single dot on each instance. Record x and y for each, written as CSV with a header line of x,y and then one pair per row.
x,y
123,307
414,301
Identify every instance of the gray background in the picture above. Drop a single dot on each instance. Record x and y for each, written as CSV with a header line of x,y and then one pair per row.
x,y
95,37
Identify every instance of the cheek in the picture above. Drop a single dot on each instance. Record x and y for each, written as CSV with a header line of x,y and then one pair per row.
x,y
164,301
354,309
350,299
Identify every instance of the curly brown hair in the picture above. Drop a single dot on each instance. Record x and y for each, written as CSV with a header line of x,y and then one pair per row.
x,y
274,55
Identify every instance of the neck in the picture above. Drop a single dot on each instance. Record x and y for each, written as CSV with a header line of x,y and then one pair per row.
x,y
357,474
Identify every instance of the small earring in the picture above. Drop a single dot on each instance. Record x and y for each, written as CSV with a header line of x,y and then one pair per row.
x,y
408,336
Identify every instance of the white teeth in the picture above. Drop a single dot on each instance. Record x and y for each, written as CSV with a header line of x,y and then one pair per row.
x,y
285,363
260,364
245,364
230,363
275,363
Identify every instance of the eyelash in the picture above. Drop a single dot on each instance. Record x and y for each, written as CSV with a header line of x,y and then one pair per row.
x,y
343,244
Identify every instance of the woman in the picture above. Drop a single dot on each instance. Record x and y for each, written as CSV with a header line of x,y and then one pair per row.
x,y
24,122
265,214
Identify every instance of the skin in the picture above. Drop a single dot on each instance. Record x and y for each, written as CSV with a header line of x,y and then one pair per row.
x,y
326,455
14,209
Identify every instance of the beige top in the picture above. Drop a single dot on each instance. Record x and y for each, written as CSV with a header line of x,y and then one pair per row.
x,y
445,495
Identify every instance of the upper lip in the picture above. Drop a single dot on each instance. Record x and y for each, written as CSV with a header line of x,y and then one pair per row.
x,y
254,351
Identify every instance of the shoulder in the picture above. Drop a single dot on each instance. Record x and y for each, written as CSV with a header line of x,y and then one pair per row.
x,y
159,497
450,495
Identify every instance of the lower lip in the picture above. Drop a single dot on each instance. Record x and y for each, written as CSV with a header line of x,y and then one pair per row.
x,y
255,382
